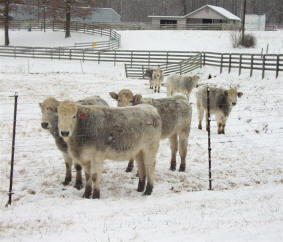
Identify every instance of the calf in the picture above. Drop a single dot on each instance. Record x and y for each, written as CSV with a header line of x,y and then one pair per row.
x,y
183,84
175,113
157,79
221,102
50,122
96,133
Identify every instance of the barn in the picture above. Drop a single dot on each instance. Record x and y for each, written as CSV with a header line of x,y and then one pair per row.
x,y
207,14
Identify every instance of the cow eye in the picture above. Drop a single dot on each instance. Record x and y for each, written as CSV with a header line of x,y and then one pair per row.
x,y
74,116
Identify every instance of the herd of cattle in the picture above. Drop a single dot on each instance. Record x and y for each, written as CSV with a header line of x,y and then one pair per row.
x,y
88,131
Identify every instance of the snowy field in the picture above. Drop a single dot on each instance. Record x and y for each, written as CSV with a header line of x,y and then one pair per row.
x,y
49,38
247,166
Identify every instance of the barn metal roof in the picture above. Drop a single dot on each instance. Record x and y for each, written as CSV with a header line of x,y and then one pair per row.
x,y
222,11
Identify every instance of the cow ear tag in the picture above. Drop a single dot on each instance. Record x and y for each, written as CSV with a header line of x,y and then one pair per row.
x,y
82,115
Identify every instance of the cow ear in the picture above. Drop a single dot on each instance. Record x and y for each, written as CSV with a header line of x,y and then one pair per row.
x,y
240,94
137,99
113,95
226,93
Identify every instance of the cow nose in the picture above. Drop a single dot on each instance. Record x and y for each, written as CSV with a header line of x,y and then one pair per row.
x,y
233,104
65,133
44,125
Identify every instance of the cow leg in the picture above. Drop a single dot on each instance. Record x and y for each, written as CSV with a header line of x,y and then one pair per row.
x,y
183,144
200,114
206,118
149,163
96,171
68,163
174,147
130,165
141,171
79,182
155,88
88,185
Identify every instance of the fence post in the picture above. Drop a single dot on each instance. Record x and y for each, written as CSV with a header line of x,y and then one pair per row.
x,y
240,65
181,68
263,66
70,54
221,63
148,58
204,55
13,151
208,137
83,55
230,60
277,66
252,65
114,57
126,71
131,58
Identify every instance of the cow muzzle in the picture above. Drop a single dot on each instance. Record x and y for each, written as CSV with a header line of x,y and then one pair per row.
x,y
65,133
233,104
44,125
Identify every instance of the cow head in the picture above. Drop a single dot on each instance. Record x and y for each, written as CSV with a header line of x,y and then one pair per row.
x,y
148,73
49,112
126,98
157,73
67,118
232,96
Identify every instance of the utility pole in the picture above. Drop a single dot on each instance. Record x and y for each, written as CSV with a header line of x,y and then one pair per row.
x,y
243,19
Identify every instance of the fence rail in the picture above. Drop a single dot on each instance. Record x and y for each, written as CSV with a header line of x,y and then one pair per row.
x,y
182,67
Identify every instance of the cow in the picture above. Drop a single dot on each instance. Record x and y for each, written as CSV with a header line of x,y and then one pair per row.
x,y
176,115
50,122
221,102
157,79
148,74
96,133
183,84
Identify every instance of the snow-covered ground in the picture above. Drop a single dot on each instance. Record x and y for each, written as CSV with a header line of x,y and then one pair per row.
x,y
197,40
247,166
49,38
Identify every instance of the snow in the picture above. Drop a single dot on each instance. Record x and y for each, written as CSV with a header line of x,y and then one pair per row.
x,y
247,167
197,40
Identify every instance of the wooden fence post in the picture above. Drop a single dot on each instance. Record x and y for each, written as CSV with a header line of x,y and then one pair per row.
x,y
204,55
126,71
263,66
277,66
221,63
70,54
114,57
252,65
230,60
240,65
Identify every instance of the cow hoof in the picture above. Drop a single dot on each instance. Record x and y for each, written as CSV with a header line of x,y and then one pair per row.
x,y
182,168
86,195
96,194
78,185
199,126
148,190
141,186
66,182
173,167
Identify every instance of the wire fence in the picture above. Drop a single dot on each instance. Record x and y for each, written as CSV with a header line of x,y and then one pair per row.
x,y
238,158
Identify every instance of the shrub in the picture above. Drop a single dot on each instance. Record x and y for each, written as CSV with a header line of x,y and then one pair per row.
x,y
249,41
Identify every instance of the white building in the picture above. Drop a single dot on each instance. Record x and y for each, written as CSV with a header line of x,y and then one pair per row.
x,y
255,22
207,14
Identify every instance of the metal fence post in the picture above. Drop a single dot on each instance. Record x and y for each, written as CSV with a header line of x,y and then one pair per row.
x,y
209,143
13,150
